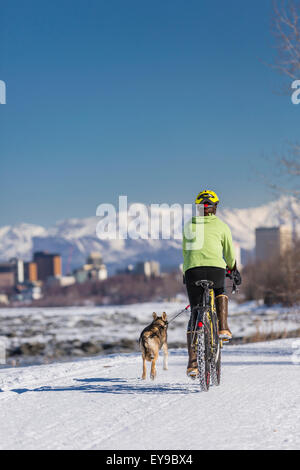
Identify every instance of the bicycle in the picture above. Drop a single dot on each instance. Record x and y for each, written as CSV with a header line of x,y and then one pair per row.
x,y
206,339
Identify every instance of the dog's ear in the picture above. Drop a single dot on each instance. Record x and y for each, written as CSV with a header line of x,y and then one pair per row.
x,y
154,316
164,316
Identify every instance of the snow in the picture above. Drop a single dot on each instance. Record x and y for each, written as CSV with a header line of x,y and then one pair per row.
x,y
17,241
125,322
102,403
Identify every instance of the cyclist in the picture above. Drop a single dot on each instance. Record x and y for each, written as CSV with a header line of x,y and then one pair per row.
x,y
207,249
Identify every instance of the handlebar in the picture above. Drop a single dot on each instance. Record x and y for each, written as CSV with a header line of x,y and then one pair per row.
x,y
229,274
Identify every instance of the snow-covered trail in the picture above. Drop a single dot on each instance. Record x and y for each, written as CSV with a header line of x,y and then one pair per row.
x,y
102,403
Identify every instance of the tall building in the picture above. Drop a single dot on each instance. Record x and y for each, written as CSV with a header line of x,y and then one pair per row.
x,y
95,259
48,265
272,241
19,270
7,275
147,268
30,272
94,269
12,273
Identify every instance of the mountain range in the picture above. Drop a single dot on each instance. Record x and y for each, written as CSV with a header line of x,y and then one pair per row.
x,y
74,239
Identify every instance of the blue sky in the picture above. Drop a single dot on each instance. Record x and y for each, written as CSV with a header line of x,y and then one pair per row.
x,y
154,100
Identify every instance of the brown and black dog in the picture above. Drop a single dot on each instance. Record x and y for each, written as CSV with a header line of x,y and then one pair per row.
x,y
152,339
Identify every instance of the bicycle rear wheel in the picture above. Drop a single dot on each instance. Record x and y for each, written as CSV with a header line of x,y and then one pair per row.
x,y
203,354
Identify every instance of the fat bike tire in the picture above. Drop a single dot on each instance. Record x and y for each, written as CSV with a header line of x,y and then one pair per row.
x,y
203,352
216,367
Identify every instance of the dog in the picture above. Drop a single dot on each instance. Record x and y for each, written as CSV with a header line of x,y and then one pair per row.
x,y
152,339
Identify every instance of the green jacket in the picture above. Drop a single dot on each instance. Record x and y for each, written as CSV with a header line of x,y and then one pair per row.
x,y
207,241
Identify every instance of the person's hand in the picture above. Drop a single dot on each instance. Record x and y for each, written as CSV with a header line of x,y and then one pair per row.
x,y
237,277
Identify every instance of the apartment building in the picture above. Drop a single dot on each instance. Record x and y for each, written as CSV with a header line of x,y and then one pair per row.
x,y
271,241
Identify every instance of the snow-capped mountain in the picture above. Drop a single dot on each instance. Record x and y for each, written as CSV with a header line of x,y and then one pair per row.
x,y
17,241
74,239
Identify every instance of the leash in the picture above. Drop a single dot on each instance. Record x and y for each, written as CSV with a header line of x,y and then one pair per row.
x,y
177,314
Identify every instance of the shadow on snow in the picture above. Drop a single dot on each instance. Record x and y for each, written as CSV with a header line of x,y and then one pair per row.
x,y
117,386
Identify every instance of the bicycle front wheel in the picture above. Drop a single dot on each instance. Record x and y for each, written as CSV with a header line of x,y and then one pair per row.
x,y
203,356
216,367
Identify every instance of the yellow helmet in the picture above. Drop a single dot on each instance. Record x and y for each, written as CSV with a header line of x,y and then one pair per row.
x,y
207,197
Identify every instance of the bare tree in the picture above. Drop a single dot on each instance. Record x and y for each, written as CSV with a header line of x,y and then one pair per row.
x,y
289,171
275,280
286,30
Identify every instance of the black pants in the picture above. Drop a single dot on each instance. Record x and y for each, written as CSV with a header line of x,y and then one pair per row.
x,y
216,275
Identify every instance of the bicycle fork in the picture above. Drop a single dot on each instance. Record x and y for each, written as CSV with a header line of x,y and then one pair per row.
x,y
199,323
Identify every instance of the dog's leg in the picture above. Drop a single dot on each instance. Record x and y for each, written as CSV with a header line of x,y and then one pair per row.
x,y
165,350
144,368
153,368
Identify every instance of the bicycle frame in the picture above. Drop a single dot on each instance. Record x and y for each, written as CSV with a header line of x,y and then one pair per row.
x,y
207,307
